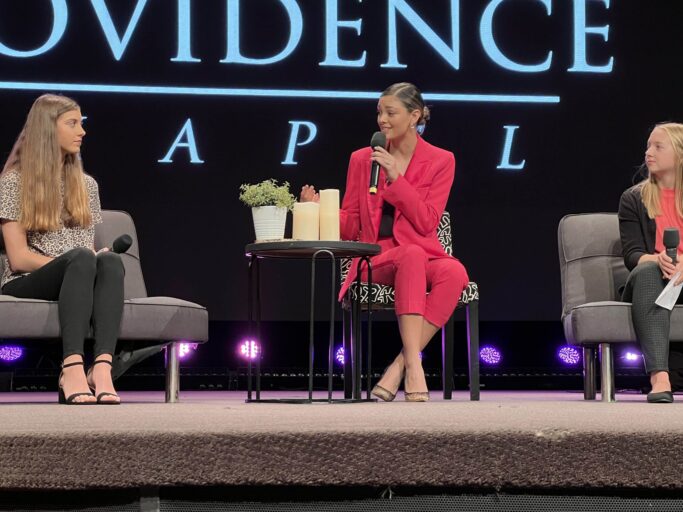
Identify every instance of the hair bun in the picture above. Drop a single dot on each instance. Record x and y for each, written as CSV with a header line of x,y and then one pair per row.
x,y
426,115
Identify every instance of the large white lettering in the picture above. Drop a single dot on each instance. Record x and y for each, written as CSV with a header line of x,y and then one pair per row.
x,y
59,20
332,26
234,55
451,54
185,139
581,32
494,52
117,44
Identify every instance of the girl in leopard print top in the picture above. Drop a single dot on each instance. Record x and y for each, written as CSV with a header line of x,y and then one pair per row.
x,y
48,211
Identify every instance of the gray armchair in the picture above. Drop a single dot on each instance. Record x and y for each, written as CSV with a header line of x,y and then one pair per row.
x,y
145,319
593,274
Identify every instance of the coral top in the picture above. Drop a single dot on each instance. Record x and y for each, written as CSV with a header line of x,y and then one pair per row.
x,y
669,218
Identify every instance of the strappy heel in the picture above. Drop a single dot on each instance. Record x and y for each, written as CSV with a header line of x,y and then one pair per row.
x,y
104,393
71,399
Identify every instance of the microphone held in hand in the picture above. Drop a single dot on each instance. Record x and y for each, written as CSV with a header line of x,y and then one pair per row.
x,y
671,239
121,244
378,139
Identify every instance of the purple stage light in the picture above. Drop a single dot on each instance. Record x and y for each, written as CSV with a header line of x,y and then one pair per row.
x,y
490,355
339,356
185,348
11,353
569,355
631,357
249,349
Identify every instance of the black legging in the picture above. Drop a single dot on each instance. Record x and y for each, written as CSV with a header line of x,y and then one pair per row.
x,y
650,321
87,287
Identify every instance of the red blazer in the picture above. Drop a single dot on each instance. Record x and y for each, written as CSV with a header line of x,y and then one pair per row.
x,y
419,199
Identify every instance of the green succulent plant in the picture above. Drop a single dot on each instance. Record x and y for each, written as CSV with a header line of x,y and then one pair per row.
x,y
267,193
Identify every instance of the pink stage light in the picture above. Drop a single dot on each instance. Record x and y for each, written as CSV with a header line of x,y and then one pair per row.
x,y
11,353
569,355
185,348
339,356
250,349
490,355
631,357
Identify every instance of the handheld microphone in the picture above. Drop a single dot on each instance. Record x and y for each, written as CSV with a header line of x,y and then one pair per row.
x,y
671,240
121,244
378,139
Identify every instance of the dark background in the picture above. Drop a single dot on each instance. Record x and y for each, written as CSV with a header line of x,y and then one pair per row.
x,y
580,154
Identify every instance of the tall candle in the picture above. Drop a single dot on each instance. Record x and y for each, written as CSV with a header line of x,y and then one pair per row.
x,y
329,214
306,221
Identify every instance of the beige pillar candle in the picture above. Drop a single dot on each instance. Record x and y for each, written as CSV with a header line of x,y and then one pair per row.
x,y
306,225
329,214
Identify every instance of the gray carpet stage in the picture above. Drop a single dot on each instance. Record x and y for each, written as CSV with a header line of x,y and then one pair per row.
x,y
509,440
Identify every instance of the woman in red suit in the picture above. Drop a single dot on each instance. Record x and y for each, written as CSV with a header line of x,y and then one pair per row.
x,y
415,181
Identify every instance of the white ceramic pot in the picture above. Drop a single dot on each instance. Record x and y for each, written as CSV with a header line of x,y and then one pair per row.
x,y
269,222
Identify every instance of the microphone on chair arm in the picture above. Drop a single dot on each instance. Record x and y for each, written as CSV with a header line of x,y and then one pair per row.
x,y
121,244
671,239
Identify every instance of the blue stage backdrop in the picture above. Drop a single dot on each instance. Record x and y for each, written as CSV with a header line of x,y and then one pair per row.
x,y
546,104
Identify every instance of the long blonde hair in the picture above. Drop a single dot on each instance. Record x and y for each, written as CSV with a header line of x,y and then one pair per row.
x,y
650,189
38,158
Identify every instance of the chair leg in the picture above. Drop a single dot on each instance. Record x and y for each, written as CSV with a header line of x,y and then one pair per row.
x,y
472,313
447,358
356,346
589,373
606,373
172,373
347,328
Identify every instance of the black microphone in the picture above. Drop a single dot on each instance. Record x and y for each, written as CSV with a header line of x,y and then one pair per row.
x,y
671,240
121,244
378,139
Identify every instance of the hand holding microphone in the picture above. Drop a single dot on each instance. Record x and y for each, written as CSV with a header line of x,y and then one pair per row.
x,y
671,238
378,139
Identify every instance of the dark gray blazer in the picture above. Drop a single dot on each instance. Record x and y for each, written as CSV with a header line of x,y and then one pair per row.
x,y
637,230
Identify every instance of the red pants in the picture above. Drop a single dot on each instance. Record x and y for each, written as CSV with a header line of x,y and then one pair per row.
x,y
408,269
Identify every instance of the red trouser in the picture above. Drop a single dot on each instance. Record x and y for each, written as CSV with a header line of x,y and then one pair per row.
x,y
408,269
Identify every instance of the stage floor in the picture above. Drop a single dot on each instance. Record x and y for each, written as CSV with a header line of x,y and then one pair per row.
x,y
508,440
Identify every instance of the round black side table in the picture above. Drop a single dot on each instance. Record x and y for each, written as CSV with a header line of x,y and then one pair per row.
x,y
299,249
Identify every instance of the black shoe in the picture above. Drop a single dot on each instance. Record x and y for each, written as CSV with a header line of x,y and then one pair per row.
x,y
71,399
100,396
663,397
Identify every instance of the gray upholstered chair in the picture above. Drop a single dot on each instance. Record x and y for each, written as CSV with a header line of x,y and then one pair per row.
x,y
383,297
145,319
593,275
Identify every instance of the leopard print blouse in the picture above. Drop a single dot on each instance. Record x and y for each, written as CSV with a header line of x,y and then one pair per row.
x,y
48,243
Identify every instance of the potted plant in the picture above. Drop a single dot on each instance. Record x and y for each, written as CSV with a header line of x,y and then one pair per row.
x,y
269,203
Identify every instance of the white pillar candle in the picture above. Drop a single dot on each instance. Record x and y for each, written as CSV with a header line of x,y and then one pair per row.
x,y
306,221
329,214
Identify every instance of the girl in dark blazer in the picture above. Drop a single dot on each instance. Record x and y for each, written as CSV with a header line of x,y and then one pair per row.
x,y
415,182
645,211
